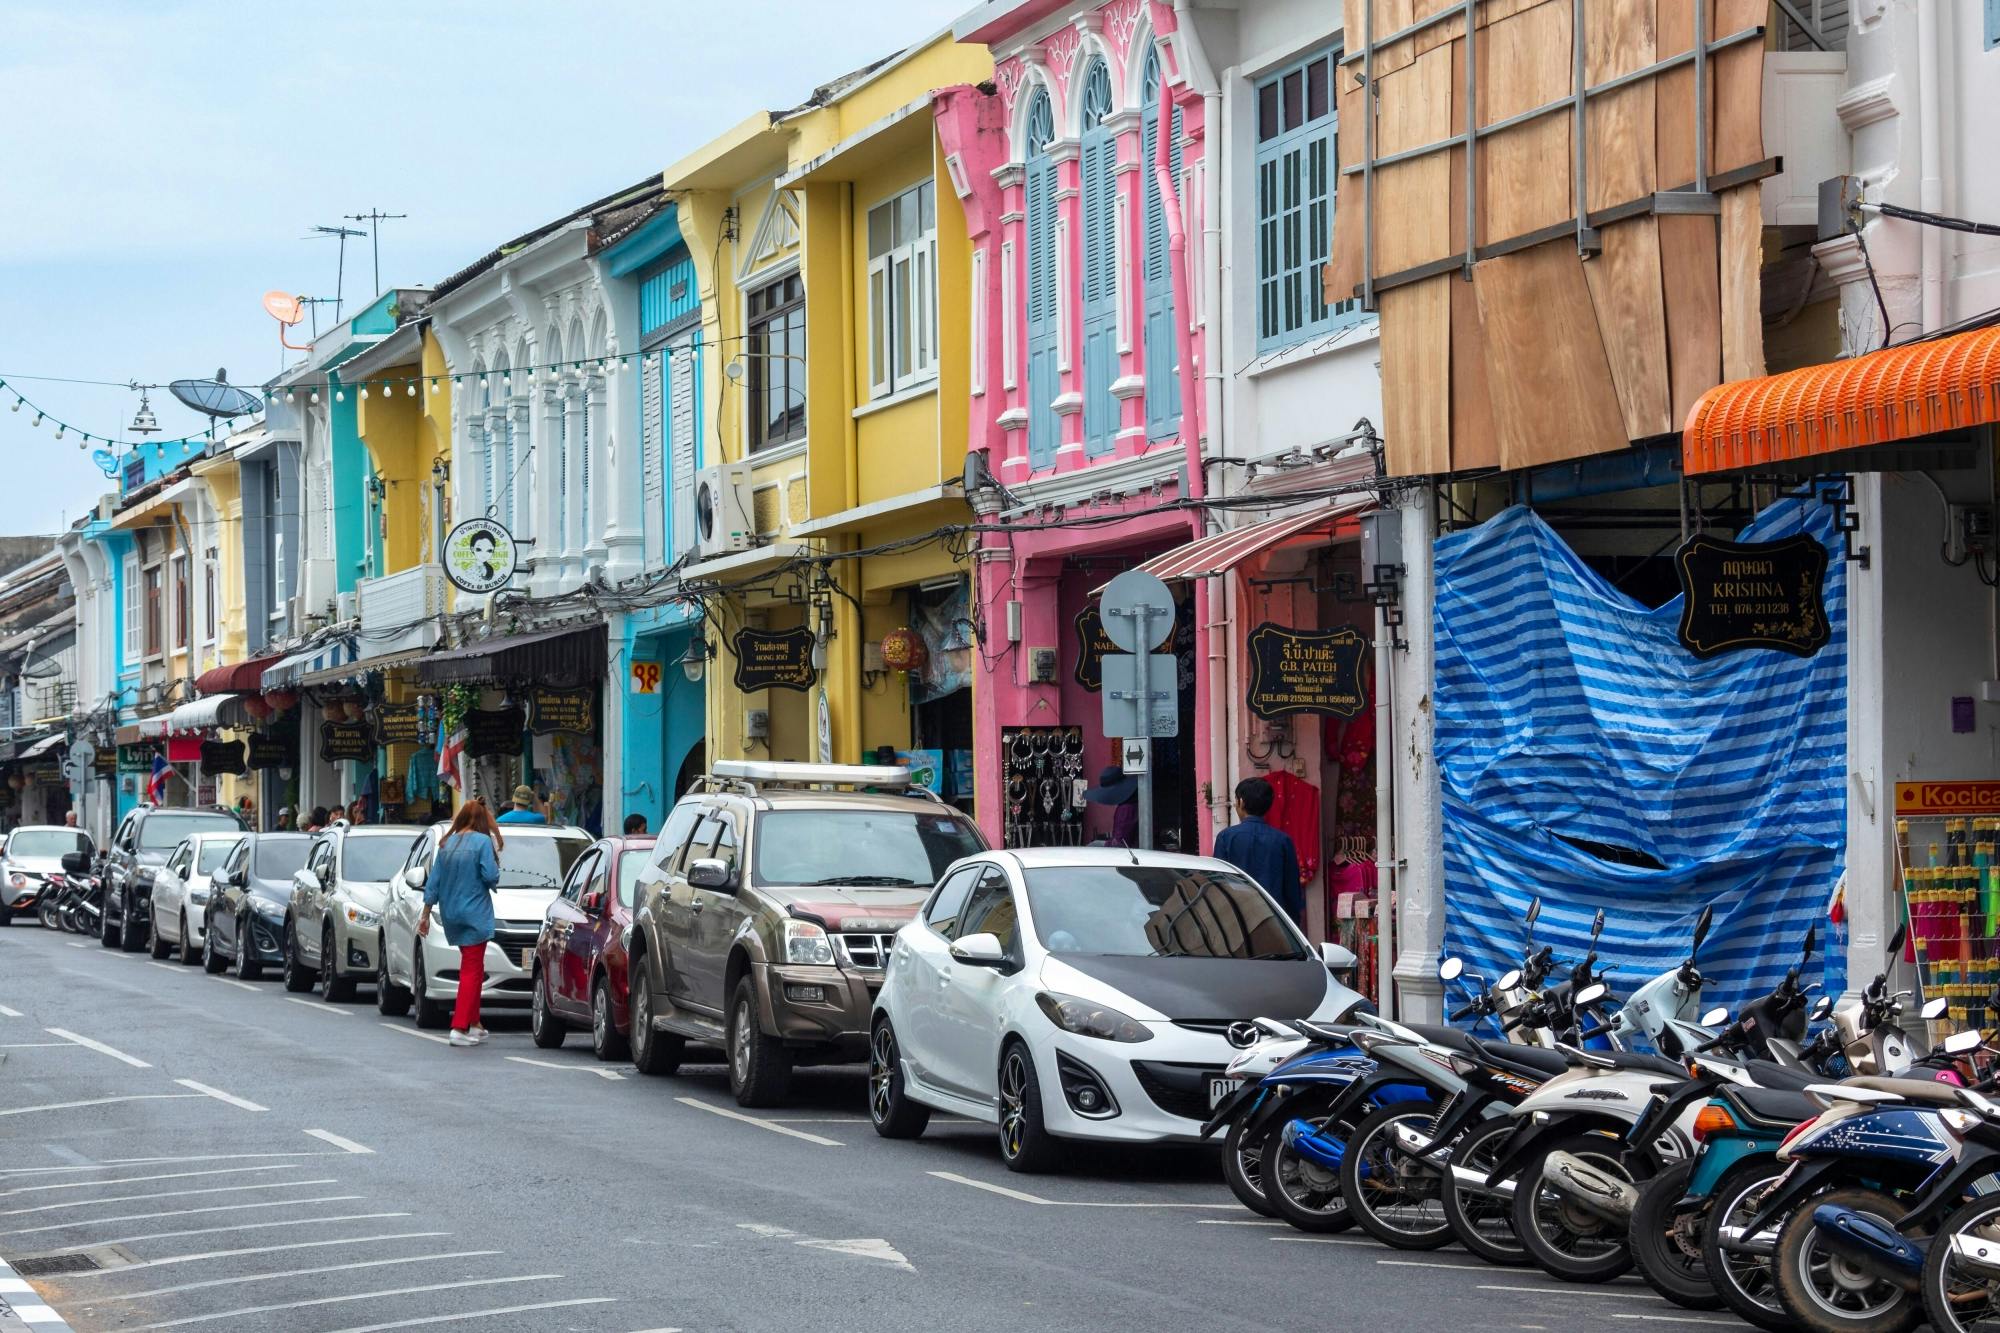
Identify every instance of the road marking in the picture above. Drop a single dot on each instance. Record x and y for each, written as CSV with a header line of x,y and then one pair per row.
x,y
211,1157
31,1045
1024,1197
217,1231
221,1096
240,985
169,1194
1678,1319
858,1248
345,1145
318,1007
551,1064
134,1180
174,968
78,944
758,1121
98,1046
1433,1263
5,1012
1337,1240
1237,1222
353,1296
1577,1291
102,1101
412,1032
262,1249
819,1120
245,1278
475,1314
181,1212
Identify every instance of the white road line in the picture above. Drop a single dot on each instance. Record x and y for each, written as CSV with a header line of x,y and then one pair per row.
x,y
412,1032
818,1119
169,1194
1024,1197
1577,1291
180,1212
262,1249
5,1012
1433,1263
1677,1319
217,1231
1237,1222
31,1045
1336,1240
475,1314
245,1278
90,1043
102,1101
581,1069
318,1007
758,1121
354,1296
78,944
345,1145
221,1096
174,968
211,1157
240,985
134,1180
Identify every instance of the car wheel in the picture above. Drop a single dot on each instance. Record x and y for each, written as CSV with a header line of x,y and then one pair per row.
x,y
760,1068
212,961
6,916
189,954
333,987
547,1030
131,936
107,929
391,1000
297,980
653,1052
889,1106
606,1041
1025,1142
247,966
157,947
431,1014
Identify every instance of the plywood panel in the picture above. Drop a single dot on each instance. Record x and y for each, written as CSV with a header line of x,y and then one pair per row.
x,y
1736,128
1689,276
1343,270
1742,289
1416,377
1411,223
1474,443
1619,38
1632,318
1546,369
1673,93
1524,173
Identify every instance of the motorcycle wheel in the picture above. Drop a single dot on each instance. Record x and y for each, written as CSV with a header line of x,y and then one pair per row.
x,y
1957,1298
1666,1241
1484,1223
1744,1280
1560,1238
1243,1169
1826,1293
1393,1196
1303,1192
46,909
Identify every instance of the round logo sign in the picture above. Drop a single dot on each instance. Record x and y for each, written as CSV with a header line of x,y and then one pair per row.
x,y
479,555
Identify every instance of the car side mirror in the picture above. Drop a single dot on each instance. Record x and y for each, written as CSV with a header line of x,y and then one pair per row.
x,y
708,872
76,863
309,881
982,950
1338,957
416,875
593,901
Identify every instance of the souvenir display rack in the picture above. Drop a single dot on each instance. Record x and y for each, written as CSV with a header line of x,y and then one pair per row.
x,y
1043,782
1951,891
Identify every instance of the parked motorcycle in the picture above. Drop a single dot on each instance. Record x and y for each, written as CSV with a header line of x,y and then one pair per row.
x,y
1960,1282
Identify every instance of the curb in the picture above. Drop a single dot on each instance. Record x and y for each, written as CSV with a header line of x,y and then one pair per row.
x,y
22,1310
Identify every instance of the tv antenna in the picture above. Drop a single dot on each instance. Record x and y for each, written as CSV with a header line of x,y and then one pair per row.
x,y
340,272
216,397
375,217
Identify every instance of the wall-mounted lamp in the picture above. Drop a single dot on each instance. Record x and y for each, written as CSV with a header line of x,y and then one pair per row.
x,y
696,659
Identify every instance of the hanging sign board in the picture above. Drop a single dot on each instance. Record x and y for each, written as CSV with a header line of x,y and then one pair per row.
x,y
646,677
135,759
397,725
1932,800
774,660
269,752
1742,595
346,740
493,731
1305,671
1125,714
479,555
222,756
105,761
562,710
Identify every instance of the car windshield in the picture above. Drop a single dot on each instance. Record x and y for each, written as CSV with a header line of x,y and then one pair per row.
x,y
280,857
49,842
1157,911
214,852
532,862
374,857
629,866
159,833
881,848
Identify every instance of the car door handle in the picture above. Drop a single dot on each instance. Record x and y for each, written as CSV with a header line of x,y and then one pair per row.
x,y
697,907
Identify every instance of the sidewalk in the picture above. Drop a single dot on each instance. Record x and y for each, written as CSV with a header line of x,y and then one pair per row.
x,y
21,1310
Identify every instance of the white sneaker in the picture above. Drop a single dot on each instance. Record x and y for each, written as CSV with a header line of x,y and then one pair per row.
x,y
458,1038
477,1033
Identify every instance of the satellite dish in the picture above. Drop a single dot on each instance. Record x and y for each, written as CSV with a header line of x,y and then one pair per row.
x,y
284,307
107,462
216,397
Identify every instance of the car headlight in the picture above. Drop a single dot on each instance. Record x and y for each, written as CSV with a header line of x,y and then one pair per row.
x,y
806,942
270,911
361,916
19,881
1088,1019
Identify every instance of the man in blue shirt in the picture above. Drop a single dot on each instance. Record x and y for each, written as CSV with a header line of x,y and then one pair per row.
x,y
1263,853
524,811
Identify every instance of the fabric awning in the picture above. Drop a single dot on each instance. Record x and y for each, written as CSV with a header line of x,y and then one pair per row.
x,y
217,710
290,672
1898,393
235,678
42,746
1222,552
566,656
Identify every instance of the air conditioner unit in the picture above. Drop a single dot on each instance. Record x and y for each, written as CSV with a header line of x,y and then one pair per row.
x,y
344,606
723,511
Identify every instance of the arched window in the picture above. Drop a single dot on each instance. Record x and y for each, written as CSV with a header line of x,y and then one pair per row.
x,y
1042,303
1098,156
1163,385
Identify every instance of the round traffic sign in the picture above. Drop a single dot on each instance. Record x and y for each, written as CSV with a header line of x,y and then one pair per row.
x,y
1129,593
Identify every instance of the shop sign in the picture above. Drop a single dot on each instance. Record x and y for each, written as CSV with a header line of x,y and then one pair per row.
x,y
1922,800
135,759
1738,595
1305,671
479,555
774,660
1092,643
222,756
494,731
105,761
346,740
646,677
268,752
563,710
397,725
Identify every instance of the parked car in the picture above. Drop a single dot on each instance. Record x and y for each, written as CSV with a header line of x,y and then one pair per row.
x,y
579,975
31,862
335,919
180,893
1085,993
421,972
138,849
248,895
765,914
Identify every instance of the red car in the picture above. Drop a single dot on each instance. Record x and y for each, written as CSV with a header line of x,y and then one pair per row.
x,y
580,957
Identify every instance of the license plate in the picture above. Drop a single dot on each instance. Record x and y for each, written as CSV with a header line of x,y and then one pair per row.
x,y
528,959
1219,1090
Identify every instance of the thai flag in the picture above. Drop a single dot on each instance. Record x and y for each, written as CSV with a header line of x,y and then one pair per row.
x,y
156,786
449,754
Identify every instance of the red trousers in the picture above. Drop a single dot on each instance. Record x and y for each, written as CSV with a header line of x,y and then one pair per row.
x,y
471,976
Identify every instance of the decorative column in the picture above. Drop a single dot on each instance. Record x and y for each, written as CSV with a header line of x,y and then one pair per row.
x,y
526,516
599,520
1008,322
575,442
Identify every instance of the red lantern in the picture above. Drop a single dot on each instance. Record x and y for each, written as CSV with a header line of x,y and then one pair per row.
x,y
257,706
902,650
282,699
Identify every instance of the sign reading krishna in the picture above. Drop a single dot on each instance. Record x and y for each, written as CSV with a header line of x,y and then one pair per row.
x,y
1739,595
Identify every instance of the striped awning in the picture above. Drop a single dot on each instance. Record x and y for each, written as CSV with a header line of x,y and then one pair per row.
x,y
208,714
43,746
1224,551
290,672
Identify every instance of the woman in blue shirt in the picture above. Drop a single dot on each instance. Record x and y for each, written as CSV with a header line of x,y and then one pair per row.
x,y
460,889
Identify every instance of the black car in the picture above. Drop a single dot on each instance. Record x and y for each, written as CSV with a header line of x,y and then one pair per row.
x,y
140,847
247,897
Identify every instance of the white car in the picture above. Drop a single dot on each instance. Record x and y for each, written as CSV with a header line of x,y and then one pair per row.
x,y
334,919
422,971
1085,993
31,865
180,893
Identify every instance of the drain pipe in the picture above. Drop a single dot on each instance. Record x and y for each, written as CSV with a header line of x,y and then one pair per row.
x,y
1930,185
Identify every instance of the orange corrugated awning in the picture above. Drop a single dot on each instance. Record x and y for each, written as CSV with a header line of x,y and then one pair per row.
x,y
1898,393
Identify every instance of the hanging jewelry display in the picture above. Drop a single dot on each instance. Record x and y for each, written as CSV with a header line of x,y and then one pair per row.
x,y
1043,777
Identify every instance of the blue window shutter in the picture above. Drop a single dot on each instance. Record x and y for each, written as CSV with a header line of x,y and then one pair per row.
x,y
1992,24
1100,291
1162,347
1294,192
1041,183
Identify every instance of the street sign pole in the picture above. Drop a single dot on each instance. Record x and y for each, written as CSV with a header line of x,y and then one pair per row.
x,y
1144,614
1130,606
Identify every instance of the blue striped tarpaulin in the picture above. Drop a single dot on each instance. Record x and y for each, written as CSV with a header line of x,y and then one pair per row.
x,y
1567,710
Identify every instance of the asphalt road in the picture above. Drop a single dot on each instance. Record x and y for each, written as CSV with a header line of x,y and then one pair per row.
x,y
221,1155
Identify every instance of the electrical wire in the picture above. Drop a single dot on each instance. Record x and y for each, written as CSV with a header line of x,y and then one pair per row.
x,y
1868,261
1933,219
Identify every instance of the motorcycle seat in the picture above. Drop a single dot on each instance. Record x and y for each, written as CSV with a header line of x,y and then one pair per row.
x,y
1781,1107
1657,1064
1532,1060
1448,1037
1768,1074
1909,1089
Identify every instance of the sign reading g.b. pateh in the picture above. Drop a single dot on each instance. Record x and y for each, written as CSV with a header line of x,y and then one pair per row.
x,y
1305,671
774,660
1738,595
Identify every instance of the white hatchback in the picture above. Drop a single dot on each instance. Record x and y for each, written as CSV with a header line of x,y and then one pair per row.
x,y
1085,993
180,893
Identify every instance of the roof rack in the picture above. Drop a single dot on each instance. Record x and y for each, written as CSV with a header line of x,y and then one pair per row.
x,y
749,777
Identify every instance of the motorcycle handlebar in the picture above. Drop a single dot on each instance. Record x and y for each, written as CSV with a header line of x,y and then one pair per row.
x,y
1465,1013
1595,1030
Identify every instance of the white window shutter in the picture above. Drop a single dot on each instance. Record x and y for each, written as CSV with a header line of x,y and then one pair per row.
x,y
684,447
651,468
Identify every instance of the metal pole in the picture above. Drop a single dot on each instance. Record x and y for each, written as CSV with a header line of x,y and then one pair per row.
x,y
1700,99
1471,135
1368,155
1144,616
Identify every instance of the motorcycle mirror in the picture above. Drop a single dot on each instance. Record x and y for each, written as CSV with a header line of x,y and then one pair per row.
x,y
1822,1007
1812,938
1509,980
1534,915
1596,928
1587,996
1958,1043
1451,969
1715,1017
1933,1010
1896,940
1701,926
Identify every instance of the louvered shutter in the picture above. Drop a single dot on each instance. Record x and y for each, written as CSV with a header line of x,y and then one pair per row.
x,y
583,475
684,440
1162,347
562,534
652,475
134,650
1100,291
1041,191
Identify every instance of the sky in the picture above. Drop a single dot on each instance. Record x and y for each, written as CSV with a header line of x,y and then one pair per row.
x,y
162,165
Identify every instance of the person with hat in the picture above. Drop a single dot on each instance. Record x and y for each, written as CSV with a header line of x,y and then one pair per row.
x,y
1122,795
525,809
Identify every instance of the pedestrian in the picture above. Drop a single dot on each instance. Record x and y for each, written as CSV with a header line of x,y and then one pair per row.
x,y
460,890
525,809
69,819
1264,853
284,819
316,820
635,826
1122,795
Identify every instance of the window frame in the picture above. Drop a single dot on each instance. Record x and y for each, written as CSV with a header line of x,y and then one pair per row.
x,y
1268,231
761,314
180,636
970,874
152,611
887,375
